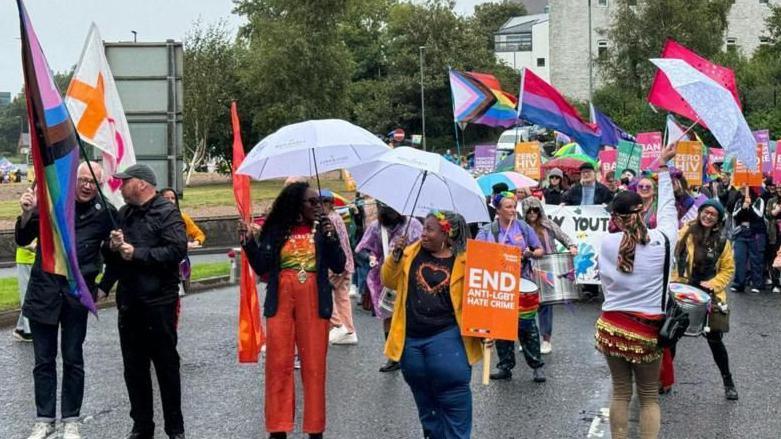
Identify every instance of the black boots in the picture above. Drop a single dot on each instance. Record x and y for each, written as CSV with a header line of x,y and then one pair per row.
x,y
390,366
501,374
730,392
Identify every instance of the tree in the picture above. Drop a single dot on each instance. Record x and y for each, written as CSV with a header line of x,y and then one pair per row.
x,y
638,33
296,65
208,81
489,17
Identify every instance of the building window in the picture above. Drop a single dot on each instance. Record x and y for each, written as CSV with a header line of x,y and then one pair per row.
x,y
540,62
521,42
732,43
601,49
602,3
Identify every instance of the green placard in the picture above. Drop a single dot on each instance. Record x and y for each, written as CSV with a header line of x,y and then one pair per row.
x,y
629,154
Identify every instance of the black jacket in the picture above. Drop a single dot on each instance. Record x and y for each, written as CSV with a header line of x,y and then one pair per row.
x,y
554,195
46,291
574,195
264,257
157,232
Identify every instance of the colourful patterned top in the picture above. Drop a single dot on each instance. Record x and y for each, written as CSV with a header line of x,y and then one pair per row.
x,y
299,251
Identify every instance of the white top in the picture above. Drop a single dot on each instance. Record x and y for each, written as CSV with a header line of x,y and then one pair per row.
x,y
641,290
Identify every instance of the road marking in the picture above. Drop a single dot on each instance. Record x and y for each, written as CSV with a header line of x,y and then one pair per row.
x,y
599,423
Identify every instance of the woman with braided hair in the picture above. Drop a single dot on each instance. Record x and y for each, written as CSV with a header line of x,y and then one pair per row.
x,y
425,334
628,328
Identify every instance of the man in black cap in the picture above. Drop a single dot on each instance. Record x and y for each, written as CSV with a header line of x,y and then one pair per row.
x,y
588,191
143,255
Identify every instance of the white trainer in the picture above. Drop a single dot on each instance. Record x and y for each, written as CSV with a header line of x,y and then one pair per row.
x,y
42,430
70,430
545,347
337,333
353,291
347,338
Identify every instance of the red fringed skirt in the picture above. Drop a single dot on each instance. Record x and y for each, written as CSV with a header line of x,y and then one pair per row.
x,y
631,336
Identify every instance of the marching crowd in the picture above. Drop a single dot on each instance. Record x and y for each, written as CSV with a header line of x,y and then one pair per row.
x,y
409,273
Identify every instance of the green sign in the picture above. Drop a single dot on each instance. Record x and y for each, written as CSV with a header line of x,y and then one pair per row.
x,y
629,154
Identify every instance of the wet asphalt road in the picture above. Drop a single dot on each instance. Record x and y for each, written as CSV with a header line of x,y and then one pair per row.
x,y
222,399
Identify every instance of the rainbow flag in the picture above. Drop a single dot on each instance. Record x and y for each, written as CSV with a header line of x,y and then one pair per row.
x,y
479,98
55,151
543,105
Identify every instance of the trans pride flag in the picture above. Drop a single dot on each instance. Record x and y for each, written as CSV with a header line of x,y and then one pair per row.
x,y
543,105
478,98
55,151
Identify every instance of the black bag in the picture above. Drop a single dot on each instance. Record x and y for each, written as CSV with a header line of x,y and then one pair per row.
x,y
675,320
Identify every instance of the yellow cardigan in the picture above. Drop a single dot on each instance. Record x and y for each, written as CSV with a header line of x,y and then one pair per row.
x,y
194,232
725,267
395,276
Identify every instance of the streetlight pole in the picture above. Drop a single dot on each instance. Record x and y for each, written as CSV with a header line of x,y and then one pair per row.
x,y
422,99
135,36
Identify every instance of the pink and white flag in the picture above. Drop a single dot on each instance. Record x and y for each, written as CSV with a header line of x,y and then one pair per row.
x,y
96,110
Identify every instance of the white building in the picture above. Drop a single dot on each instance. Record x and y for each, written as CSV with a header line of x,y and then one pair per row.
x,y
575,39
523,42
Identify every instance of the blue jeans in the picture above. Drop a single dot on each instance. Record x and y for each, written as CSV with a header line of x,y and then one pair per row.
x,y
545,314
73,321
438,373
749,260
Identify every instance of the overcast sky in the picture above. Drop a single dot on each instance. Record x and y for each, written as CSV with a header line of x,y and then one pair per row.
x,y
62,25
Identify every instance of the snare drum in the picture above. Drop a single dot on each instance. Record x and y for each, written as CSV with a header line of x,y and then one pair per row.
x,y
553,274
528,286
693,302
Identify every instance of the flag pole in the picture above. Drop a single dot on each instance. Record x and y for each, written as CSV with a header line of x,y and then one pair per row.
x,y
95,179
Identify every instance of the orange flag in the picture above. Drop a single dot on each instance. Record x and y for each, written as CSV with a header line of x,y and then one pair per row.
x,y
250,336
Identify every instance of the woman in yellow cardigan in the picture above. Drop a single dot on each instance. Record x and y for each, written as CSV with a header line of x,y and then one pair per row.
x,y
425,334
704,260
195,236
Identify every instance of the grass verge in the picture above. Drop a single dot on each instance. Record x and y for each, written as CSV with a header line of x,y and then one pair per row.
x,y
9,287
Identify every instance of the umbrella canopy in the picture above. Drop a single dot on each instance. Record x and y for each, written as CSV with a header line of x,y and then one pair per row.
x,y
570,148
414,182
309,148
715,106
514,180
569,163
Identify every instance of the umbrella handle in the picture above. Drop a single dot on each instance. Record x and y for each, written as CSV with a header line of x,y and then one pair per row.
x,y
397,257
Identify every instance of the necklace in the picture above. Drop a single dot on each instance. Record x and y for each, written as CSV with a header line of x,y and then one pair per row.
x,y
298,244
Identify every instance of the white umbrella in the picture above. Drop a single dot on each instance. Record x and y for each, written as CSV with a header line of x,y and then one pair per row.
x,y
715,106
414,182
309,148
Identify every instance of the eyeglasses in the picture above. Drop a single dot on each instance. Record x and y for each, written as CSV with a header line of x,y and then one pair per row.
x,y
644,187
86,182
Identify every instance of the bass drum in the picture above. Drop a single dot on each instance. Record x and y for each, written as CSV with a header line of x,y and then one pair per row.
x,y
554,273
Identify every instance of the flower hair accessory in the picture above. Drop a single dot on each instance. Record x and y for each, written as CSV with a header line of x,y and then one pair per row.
x,y
444,224
502,195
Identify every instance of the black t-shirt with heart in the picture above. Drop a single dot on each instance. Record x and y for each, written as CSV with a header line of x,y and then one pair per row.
x,y
429,308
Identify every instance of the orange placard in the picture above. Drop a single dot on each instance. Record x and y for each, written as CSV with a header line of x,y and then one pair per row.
x,y
490,302
688,159
743,176
527,159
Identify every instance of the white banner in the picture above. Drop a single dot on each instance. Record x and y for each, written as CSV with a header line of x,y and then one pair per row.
x,y
586,225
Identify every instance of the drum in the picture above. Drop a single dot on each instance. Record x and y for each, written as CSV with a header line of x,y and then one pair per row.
x,y
553,274
693,302
528,286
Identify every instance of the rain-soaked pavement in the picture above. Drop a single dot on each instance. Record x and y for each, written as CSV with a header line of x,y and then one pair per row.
x,y
222,399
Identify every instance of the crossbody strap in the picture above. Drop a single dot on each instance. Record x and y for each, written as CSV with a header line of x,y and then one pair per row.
x,y
666,273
